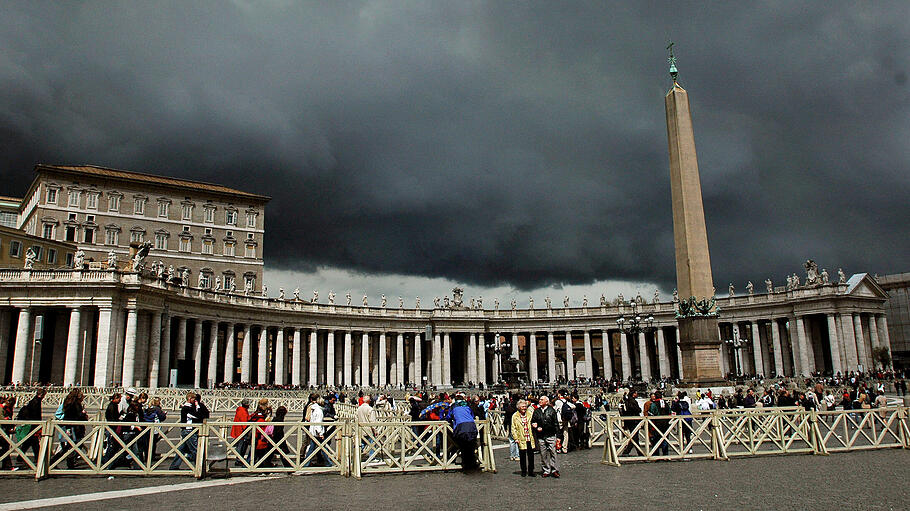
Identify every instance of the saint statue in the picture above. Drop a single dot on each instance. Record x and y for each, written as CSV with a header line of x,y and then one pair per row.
x,y
364,301
750,288
675,296
265,291
565,302
315,296
769,286
603,300
436,302
297,294
400,302
281,293
112,260
417,303
584,301
530,302
30,257
480,302
841,278
514,304
496,304
331,297
731,290
79,260
656,298
347,298
383,301
825,276
547,301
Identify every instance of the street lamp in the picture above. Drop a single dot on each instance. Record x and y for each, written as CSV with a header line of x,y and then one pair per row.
x,y
635,324
737,344
498,347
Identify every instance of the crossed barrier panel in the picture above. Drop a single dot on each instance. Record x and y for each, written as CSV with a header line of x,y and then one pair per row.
x,y
722,434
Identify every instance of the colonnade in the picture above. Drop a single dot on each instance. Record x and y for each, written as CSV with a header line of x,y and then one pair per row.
x,y
124,342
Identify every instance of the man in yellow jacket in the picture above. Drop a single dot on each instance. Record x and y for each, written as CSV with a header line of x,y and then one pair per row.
x,y
523,434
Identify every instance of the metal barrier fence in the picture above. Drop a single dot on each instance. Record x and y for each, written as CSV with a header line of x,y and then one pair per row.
x,y
49,448
722,434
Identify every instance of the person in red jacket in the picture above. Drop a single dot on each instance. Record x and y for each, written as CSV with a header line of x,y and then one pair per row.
x,y
242,415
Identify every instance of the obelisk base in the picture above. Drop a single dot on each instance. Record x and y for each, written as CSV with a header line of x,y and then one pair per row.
x,y
700,347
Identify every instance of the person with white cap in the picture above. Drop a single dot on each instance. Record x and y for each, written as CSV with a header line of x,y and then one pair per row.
x,y
128,396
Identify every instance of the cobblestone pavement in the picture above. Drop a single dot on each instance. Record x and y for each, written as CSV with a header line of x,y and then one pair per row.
x,y
859,480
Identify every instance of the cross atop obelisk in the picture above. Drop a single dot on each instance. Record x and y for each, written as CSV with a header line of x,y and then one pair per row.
x,y
697,314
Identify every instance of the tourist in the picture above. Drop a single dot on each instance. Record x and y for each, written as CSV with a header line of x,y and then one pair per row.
x,y
464,430
30,412
6,414
317,432
660,425
631,408
72,411
508,410
546,422
241,414
155,414
523,435
262,413
193,411
281,448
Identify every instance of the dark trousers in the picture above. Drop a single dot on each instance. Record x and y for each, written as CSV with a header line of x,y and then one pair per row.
x,y
526,459
466,438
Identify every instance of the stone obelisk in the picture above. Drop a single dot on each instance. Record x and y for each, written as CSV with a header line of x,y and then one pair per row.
x,y
697,313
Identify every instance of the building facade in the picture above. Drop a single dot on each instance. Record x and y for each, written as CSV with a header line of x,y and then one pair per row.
x,y
49,254
214,232
9,211
108,327
898,313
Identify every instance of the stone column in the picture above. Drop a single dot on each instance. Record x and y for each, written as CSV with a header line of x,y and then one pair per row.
x,y
129,348
72,347
836,365
532,359
164,367
418,361
778,350
570,356
644,359
472,358
330,364
229,342
663,358
296,354
756,349
154,356
845,321
437,359
873,337
5,326
885,337
399,359
589,357
383,360
513,337
607,354
626,358
551,357
197,353
212,369
348,358
482,358
280,357
861,354
446,359
392,344
803,349
365,359
180,353
102,369
262,366
314,357
23,339
246,356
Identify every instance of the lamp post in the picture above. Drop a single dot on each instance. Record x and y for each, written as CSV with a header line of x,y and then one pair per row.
x,y
737,344
498,347
636,324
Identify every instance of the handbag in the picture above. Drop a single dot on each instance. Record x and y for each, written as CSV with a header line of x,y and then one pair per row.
x,y
22,431
269,430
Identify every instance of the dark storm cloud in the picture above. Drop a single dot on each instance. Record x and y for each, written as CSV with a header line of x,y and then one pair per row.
x,y
491,143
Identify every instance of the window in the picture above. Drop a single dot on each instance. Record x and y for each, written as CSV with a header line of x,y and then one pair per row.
x,y
37,250
205,280
69,260
9,219
250,251
160,241
74,198
70,233
229,248
111,237
163,209
51,195
185,244
249,281
137,236
251,219
230,217
91,201
228,281
15,248
139,206
187,211
72,217
210,214
113,203
90,219
186,228
249,235
208,231
208,247
51,256
230,234
48,231
88,236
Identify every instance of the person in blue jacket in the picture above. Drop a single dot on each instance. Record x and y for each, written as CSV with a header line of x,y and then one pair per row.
x,y
464,430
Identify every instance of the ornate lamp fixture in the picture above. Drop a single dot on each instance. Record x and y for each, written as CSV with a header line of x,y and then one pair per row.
x,y
636,323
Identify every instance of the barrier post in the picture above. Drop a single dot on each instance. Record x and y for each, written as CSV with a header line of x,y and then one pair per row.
x,y
610,456
202,449
488,440
905,431
718,442
44,450
818,443
356,449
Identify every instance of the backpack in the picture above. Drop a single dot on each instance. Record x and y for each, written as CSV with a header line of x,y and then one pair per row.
x,y
568,414
59,413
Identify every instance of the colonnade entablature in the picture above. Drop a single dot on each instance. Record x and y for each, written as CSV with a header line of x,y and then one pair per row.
x,y
110,327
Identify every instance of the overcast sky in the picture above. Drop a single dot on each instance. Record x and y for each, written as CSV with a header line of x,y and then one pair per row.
x,y
511,147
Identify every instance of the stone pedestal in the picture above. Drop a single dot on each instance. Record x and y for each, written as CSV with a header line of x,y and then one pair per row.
x,y
698,344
